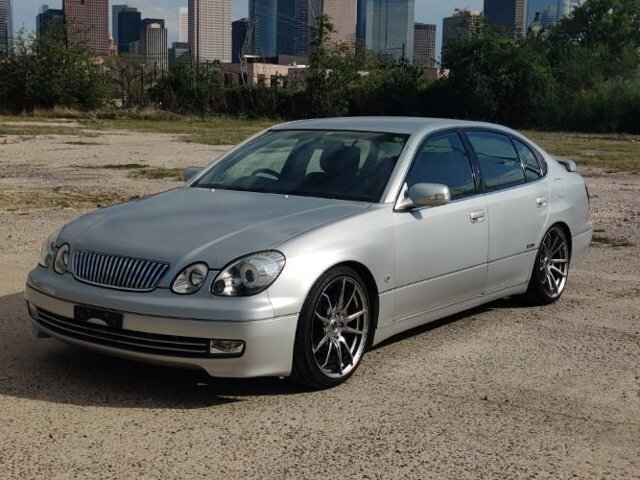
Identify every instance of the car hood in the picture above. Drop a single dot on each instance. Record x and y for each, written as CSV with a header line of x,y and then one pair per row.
x,y
193,224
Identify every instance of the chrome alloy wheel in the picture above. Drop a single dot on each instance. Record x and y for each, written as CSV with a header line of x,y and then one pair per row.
x,y
554,263
340,327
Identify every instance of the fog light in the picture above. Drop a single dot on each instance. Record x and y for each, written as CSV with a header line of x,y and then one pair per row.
x,y
226,347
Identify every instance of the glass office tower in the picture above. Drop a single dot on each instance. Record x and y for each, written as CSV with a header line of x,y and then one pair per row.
x,y
387,27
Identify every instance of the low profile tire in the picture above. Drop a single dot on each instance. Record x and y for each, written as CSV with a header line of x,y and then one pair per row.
x,y
333,330
551,268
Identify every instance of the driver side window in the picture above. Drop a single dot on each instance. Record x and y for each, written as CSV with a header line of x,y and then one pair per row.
x,y
444,160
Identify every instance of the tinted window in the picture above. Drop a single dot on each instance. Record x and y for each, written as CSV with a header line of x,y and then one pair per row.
x,y
329,164
499,162
532,168
444,160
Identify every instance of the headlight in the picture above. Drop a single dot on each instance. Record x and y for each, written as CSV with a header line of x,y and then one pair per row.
x,y
61,262
249,275
48,248
191,279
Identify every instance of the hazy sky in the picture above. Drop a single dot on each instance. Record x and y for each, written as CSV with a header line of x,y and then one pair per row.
x,y
428,11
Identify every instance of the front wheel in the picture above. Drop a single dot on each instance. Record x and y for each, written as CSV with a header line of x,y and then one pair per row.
x,y
333,330
549,276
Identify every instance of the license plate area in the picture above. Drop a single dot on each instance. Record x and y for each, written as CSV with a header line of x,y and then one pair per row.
x,y
98,316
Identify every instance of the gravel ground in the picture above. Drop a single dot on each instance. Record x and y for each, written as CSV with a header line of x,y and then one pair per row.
x,y
503,391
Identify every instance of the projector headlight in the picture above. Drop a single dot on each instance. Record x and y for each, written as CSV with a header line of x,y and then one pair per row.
x,y
61,261
48,249
191,279
249,275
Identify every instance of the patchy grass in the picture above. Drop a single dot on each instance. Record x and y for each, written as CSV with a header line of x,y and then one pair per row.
x,y
613,152
27,129
611,241
209,131
57,199
138,170
159,173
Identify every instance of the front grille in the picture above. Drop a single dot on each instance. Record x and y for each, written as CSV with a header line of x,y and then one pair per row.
x,y
118,272
167,345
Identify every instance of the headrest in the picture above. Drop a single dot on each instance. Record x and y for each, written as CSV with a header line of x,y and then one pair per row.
x,y
345,160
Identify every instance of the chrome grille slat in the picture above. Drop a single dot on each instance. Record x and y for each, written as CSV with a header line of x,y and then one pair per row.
x,y
118,272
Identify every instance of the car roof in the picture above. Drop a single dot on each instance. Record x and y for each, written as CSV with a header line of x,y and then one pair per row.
x,y
399,125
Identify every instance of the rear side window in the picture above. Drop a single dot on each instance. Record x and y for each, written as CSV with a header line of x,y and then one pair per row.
x,y
444,160
499,161
532,168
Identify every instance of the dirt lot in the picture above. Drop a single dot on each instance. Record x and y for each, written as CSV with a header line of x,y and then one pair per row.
x,y
503,391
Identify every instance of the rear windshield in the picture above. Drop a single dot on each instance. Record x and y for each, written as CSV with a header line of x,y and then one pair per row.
x,y
329,164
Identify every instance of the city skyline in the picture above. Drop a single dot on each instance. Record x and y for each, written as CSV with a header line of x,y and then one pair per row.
x,y
25,11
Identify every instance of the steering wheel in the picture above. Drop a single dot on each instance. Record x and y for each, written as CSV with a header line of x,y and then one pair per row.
x,y
266,171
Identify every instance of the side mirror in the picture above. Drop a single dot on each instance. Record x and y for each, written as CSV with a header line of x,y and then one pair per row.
x,y
424,195
569,165
191,172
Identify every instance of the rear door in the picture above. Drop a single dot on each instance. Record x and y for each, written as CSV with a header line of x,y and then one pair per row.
x,y
517,205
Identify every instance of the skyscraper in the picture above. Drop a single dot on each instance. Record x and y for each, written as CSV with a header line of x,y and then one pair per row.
x,y
508,15
387,27
6,27
88,24
239,31
459,26
129,28
424,44
153,44
546,13
343,17
263,19
115,10
45,16
210,30
183,18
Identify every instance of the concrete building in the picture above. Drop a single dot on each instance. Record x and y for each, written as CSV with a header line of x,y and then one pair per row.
x,y
153,44
459,26
424,44
6,27
343,14
45,16
508,15
129,24
183,20
210,30
115,10
387,27
88,24
271,72
239,40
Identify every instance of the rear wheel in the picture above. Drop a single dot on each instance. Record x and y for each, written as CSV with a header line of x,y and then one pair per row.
x,y
333,330
550,271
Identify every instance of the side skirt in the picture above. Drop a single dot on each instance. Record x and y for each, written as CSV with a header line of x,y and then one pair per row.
x,y
441,312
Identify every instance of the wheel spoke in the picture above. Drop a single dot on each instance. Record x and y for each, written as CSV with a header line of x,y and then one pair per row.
x,y
354,316
340,305
552,284
326,360
339,352
329,301
556,269
353,295
323,319
558,260
322,342
344,342
346,329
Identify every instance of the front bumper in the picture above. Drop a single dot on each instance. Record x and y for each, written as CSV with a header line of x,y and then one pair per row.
x,y
268,347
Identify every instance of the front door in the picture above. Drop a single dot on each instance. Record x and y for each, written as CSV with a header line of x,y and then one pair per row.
x,y
441,252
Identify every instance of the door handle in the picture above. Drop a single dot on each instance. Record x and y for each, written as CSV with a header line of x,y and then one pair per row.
x,y
477,216
541,202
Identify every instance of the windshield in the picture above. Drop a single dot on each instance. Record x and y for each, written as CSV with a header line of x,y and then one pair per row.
x,y
328,164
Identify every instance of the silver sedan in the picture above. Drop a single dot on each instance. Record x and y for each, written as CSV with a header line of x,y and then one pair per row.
x,y
313,241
